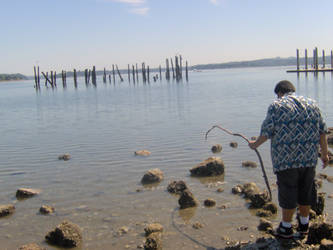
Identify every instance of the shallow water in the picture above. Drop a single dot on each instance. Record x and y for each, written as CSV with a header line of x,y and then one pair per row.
x,y
102,127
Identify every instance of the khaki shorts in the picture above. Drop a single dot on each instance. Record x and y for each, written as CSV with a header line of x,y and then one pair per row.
x,y
296,187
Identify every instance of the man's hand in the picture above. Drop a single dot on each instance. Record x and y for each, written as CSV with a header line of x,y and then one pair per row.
x,y
252,145
325,159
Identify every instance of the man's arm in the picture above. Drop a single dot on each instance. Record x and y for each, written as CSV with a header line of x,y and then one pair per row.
x,y
324,150
260,140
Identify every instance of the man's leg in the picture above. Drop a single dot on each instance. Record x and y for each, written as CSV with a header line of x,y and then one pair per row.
x,y
287,215
304,210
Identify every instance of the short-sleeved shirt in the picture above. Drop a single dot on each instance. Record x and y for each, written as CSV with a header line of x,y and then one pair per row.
x,y
294,125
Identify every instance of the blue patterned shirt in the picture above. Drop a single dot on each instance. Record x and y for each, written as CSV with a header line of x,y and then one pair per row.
x,y
294,124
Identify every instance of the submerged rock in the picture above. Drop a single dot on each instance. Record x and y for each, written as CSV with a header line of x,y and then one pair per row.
x,y
142,153
31,246
209,202
264,213
64,157
270,206
258,200
197,225
153,242
238,189
23,193
210,167
326,244
176,187
250,189
152,176
233,144
66,234
6,210
187,200
249,164
265,225
216,148
153,228
45,209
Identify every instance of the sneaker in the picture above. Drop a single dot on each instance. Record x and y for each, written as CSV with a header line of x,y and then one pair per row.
x,y
284,232
303,229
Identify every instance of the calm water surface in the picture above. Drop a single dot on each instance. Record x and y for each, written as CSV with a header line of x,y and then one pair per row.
x,y
102,127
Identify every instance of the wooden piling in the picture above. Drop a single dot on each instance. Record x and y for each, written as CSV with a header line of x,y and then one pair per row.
x,y
46,78
86,76
110,78
173,70
180,67
143,69
137,73
75,80
306,59
297,58
104,76
331,59
55,78
93,76
167,70
133,73
148,74
323,59
89,74
35,74
316,54
121,78
177,69
113,74
160,72
186,72
63,79
128,73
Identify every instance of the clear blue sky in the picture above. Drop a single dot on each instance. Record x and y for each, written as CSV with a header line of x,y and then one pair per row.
x,y
68,34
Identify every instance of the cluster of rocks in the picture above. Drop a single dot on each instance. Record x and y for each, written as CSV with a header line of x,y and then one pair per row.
x,y
153,233
64,157
258,199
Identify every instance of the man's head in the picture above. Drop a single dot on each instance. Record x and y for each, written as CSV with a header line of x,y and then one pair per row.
x,y
284,87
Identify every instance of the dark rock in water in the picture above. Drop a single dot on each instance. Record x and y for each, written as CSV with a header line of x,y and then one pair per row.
x,y
23,193
45,209
209,202
220,190
326,244
238,189
263,213
319,231
320,204
176,187
265,225
249,164
64,157
66,234
187,200
153,242
153,228
142,153
210,167
270,206
233,144
258,200
31,246
152,176
217,148
6,210
250,189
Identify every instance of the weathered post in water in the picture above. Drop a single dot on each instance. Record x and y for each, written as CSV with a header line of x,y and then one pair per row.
x,y
316,52
121,78
110,78
35,74
38,78
331,59
52,78
133,73
143,69
306,59
173,71
86,76
128,73
148,74
75,81
167,70
113,74
180,66
89,74
93,76
297,58
160,72
104,76
55,78
323,59
137,72
186,72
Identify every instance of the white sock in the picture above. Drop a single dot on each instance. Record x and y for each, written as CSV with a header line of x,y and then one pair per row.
x,y
286,224
304,220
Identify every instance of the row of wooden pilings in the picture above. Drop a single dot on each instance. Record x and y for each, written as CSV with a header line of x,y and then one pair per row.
x,y
315,63
132,73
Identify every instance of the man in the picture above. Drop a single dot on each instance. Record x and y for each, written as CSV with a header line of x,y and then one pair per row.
x,y
296,129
